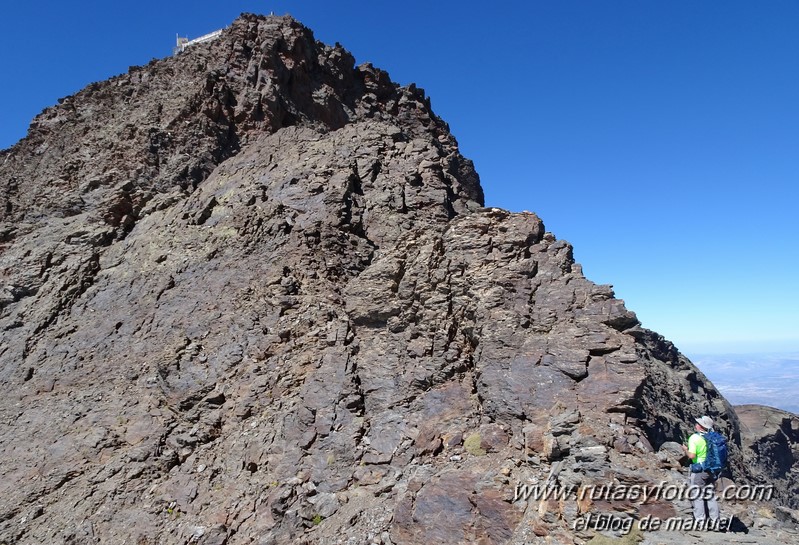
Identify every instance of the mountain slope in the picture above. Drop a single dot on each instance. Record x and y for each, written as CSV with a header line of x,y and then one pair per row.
x,y
251,295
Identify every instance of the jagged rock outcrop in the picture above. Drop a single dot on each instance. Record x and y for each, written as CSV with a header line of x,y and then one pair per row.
x,y
251,294
770,440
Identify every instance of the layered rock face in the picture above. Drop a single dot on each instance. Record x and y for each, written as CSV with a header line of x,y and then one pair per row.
x,y
251,295
770,438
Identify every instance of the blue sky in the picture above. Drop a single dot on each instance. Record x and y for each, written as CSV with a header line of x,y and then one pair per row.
x,y
660,138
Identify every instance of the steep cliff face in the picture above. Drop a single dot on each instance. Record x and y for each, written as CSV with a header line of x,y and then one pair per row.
x,y
250,294
770,440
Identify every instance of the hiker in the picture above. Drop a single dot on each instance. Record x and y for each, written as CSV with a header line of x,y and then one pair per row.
x,y
702,490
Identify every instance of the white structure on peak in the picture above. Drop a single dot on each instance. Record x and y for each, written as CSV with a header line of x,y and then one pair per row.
x,y
183,43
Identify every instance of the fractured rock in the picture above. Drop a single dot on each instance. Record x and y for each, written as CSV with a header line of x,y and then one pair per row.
x,y
251,293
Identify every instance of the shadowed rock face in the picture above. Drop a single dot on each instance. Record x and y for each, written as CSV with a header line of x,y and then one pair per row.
x,y
250,294
770,440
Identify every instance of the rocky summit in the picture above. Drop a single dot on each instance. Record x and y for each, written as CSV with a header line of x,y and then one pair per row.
x,y
251,294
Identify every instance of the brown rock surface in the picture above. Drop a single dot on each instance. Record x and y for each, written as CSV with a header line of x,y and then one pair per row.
x,y
250,295
770,441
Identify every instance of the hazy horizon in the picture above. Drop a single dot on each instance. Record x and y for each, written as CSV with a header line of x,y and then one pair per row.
x,y
761,379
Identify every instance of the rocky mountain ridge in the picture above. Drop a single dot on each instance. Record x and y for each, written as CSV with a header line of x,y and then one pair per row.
x,y
251,295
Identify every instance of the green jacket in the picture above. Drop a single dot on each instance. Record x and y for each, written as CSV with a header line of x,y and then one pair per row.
x,y
698,445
